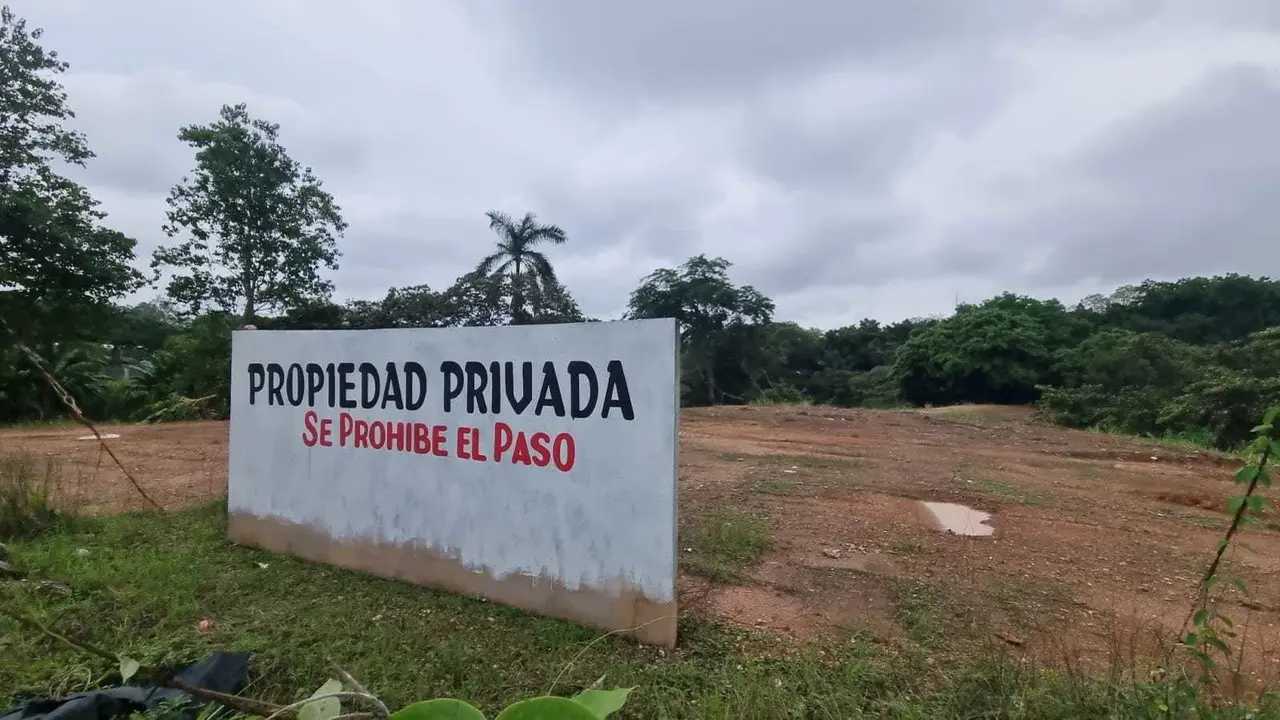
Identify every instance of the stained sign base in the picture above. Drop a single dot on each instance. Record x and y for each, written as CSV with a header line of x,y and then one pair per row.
x,y
655,622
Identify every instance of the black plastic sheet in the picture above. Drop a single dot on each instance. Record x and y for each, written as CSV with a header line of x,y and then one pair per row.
x,y
221,672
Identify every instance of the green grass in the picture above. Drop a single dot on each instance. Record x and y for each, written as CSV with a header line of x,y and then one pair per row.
x,y
962,415
905,545
776,486
723,544
788,474
143,581
1189,442
1009,491
916,608
28,487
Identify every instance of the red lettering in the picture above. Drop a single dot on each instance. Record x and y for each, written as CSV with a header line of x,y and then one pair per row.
x,y
361,438
309,434
377,434
521,453
476,452
439,446
539,442
326,430
502,437
346,424
395,435
421,438
563,452
464,444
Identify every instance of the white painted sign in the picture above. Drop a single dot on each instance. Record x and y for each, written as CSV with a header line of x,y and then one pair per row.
x,y
534,465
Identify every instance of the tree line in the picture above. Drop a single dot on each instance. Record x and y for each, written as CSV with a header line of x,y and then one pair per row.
x,y
252,231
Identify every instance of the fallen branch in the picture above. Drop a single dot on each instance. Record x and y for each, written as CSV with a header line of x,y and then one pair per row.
x,y
77,644
249,706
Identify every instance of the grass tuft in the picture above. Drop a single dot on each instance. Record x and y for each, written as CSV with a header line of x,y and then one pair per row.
x,y
723,544
28,486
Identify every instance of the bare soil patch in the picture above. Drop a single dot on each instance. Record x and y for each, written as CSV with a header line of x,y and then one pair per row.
x,y
1100,539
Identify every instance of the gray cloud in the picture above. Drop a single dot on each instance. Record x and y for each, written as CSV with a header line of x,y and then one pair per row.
x,y
851,159
668,49
1184,189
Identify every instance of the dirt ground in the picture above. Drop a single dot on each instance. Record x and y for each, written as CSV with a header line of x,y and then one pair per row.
x,y
1099,541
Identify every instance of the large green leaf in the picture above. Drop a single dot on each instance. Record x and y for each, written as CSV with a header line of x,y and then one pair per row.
x,y
603,703
438,709
547,708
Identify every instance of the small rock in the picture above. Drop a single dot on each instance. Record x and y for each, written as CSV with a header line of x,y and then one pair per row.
x,y
82,552
831,553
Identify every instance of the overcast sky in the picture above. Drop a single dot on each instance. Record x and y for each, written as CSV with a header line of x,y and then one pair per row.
x,y
851,158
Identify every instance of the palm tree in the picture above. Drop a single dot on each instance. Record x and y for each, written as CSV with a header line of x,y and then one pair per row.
x,y
518,257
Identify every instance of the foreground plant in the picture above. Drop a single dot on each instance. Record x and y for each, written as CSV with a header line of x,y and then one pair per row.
x,y
586,705
1212,631
326,702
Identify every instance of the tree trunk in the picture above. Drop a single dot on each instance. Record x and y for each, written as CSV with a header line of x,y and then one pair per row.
x,y
517,296
249,310
711,382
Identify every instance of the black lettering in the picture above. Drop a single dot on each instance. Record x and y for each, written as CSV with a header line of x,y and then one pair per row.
x,y
616,394
452,372
346,385
333,385
391,394
578,371
315,381
257,380
550,394
370,385
295,385
526,372
495,385
275,384
476,382
415,385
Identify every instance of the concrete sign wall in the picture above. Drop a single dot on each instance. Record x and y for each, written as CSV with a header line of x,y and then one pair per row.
x,y
534,465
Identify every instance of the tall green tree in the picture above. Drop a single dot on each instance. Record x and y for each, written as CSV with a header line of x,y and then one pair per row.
x,y
718,320
257,227
56,258
518,256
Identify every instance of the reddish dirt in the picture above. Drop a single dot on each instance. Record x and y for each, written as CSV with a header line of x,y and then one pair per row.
x,y
1099,542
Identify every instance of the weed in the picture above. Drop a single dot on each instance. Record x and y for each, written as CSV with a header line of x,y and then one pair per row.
x,y
785,474
27,495
775,486
724,543
905,546
1186,442
960,415
916,610
1010,491
783,394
